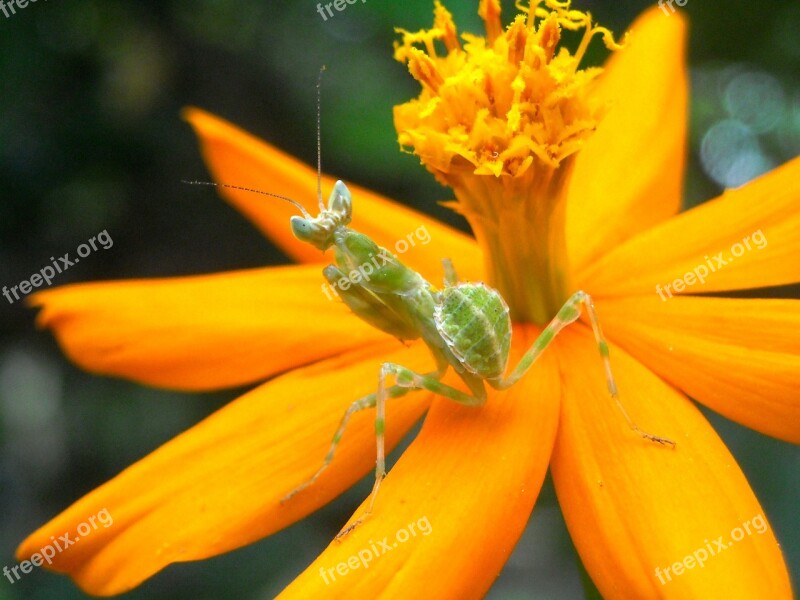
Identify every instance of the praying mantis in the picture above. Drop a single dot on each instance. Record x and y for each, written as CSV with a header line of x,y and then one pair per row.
x,y
466,326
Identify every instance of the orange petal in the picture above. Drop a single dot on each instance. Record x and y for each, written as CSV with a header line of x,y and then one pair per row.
x,y
633,507
236,157
740,358
202,332
218,486
746,238
466,486
630,174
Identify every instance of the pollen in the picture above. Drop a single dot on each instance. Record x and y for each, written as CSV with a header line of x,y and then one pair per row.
x,y
502,103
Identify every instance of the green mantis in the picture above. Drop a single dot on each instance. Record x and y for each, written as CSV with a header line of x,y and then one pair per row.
x,y
466,327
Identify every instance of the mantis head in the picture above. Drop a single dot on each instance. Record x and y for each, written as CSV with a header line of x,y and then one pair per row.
x,y
318,231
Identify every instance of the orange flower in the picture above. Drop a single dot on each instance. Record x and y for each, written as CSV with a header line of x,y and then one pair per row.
x,y
604,207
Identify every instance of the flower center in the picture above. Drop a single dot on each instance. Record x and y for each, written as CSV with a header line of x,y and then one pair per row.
x,y
500,119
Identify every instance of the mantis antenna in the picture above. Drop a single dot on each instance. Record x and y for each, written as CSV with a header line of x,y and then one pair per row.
x,y
319,138
295,203
319,165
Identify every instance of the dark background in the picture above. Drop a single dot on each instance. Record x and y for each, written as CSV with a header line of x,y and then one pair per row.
x,y
90,139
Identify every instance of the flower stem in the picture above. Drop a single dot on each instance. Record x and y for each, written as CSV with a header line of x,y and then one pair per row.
x,y
520,225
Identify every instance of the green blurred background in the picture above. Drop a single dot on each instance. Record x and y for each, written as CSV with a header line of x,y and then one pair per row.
x,y
90,139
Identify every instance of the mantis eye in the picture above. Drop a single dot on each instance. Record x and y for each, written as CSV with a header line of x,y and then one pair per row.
x,y
302,229
311,232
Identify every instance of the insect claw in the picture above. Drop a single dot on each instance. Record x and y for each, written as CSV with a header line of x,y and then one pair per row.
x,y
659,440
349,528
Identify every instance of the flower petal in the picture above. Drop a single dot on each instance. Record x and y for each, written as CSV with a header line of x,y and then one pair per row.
x,y
470,480
740,358
218,486
646,87
202,332
635,510
236,157
746,238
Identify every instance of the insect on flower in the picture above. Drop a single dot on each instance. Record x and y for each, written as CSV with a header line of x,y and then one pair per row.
x,y
554,168
465,325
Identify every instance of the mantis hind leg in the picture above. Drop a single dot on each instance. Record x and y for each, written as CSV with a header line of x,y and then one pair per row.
x,y
368,401
602,346
568,314
409,380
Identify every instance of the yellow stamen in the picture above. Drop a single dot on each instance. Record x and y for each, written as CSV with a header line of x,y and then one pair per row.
x,y
424,69
443,21
500,119
489,11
